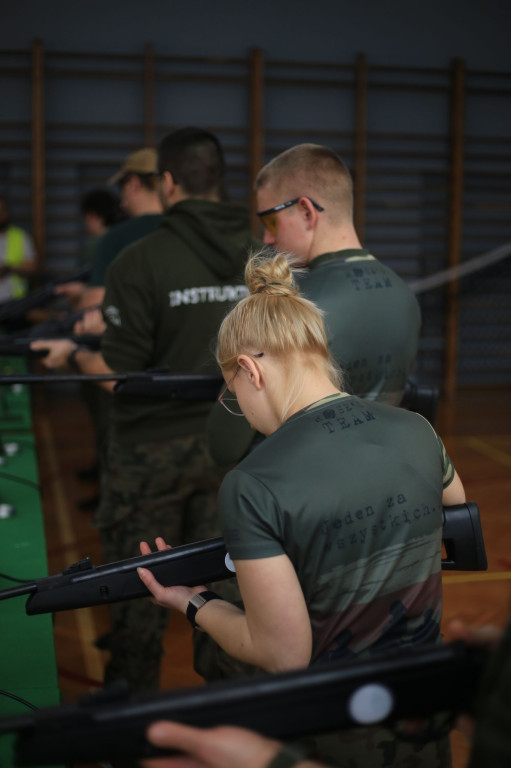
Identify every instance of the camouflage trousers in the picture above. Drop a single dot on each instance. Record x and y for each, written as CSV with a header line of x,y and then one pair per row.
x,y
376,747
167,488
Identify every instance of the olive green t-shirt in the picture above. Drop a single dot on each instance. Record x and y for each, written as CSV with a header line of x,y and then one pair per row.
x,y
351,491
109,245
372,320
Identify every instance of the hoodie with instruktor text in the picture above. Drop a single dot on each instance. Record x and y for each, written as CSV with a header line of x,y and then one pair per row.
x,y
165,298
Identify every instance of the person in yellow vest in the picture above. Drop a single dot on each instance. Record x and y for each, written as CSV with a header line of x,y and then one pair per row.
x,y
17,256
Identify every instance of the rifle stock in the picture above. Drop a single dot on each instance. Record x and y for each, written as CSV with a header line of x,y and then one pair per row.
x,y
401,684
83,584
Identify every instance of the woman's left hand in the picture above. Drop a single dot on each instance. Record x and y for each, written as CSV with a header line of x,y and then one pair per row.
x,y
168,597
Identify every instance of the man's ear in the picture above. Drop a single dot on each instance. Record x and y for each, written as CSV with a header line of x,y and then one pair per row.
x,y
168,183
308,212
252,368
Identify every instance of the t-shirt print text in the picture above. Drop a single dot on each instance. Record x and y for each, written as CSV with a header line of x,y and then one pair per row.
x,y
369,277
343,416
355,527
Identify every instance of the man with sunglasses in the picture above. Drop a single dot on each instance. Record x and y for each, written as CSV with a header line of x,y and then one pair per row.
x,y
305,202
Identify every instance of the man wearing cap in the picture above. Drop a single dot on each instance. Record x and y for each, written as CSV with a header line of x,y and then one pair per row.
x,y
165,297
139,199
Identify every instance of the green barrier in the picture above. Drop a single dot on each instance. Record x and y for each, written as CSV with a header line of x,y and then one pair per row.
x,y
28,667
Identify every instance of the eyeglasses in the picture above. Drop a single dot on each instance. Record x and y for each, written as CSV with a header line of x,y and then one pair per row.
x,y
228,400
269,217
226,397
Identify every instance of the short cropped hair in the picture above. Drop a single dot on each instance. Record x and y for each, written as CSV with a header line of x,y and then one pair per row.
x,y
313,171
195,159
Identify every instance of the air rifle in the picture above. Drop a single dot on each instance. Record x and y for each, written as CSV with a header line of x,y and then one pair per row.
x,y
15,308
83,584
111,725
151,383
19,346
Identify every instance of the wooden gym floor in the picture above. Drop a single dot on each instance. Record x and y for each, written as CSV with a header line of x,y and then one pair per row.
x,y
477,434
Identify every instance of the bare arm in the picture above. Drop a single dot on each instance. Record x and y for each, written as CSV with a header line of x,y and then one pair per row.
x,y
454,493
273,632
88,361
92,297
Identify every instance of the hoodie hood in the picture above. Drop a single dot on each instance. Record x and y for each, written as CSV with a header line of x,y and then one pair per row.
x,y
219,233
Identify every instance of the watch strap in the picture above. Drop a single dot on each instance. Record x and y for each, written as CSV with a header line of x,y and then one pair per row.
x,y
196,602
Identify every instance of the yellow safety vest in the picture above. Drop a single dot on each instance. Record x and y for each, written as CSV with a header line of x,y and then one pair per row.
x,y
14,256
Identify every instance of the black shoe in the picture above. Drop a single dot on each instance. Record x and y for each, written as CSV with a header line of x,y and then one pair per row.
x,y
88,473
89,504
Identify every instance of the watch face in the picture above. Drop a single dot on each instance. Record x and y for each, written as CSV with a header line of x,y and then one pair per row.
x,y
197,600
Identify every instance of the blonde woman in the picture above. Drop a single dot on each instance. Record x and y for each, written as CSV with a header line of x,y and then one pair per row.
x,y
334,521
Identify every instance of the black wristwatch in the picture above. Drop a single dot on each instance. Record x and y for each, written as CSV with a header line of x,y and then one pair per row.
x,y
196,602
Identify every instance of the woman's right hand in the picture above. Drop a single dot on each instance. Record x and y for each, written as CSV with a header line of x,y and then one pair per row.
x,y
167,597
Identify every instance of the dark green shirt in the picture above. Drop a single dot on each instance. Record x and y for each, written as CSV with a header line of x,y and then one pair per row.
x,y
372,320
115,240
351,491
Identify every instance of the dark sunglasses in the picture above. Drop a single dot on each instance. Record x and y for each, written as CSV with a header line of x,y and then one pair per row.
x,y
269,217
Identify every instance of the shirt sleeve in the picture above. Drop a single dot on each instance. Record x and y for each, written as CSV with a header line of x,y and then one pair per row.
x,y
102,258
250,517
448,467
128,309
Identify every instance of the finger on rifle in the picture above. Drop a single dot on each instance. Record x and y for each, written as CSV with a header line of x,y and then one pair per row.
x,y
145,549
161,544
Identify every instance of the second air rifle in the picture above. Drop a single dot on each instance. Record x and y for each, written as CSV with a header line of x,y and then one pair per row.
x,y
111,725
83,584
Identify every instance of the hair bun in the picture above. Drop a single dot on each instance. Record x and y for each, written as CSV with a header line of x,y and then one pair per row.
x,y
270,274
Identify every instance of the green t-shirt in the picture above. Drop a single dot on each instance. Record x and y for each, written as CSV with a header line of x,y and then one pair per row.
x,y
351,491
372,320
115,240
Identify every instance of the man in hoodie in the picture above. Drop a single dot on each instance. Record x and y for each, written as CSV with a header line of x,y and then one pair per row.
x,y
165,297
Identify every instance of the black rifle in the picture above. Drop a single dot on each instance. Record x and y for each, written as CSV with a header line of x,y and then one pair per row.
x,y
152,383
83,584
19,346
15,308
111,725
